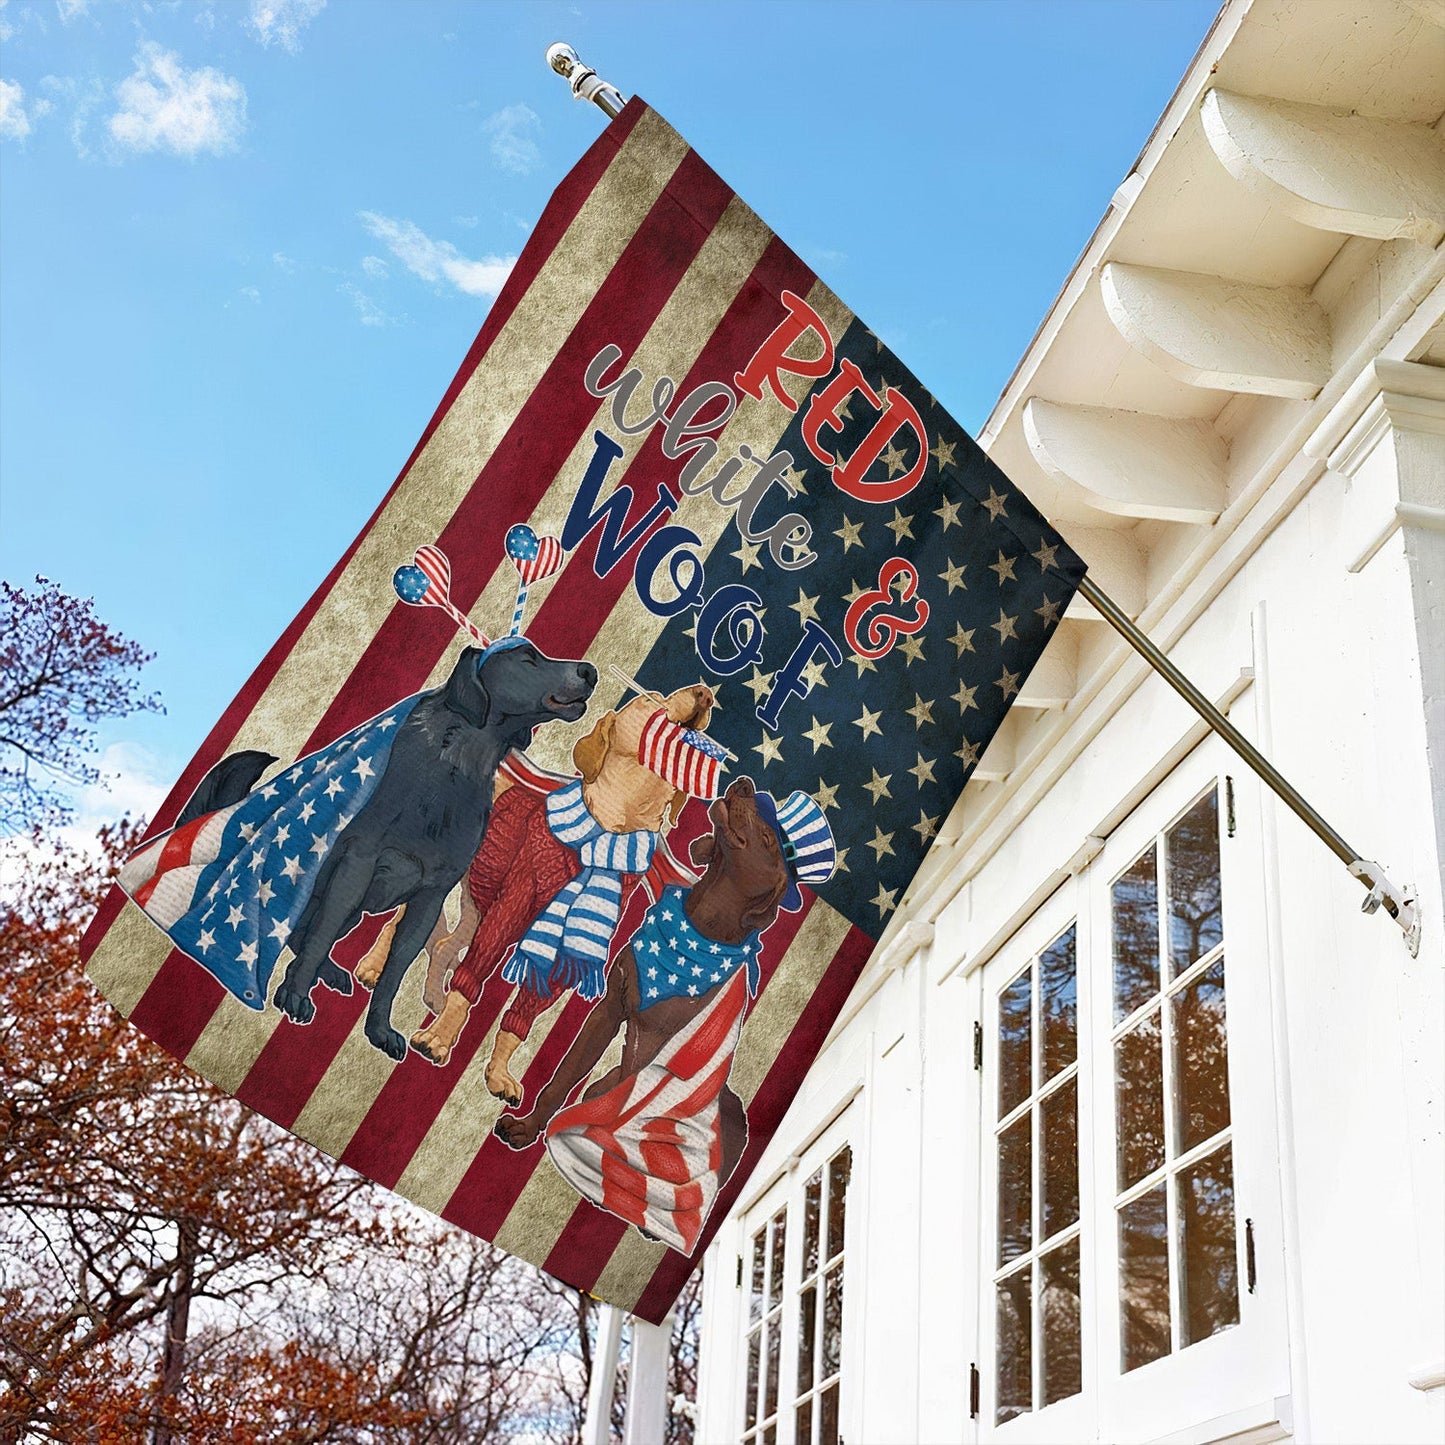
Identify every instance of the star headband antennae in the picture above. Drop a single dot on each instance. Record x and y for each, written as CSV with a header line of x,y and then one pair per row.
x,y
534,558
427,582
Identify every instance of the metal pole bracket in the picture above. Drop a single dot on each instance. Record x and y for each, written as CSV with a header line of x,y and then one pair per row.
x,y
1399,901
585,82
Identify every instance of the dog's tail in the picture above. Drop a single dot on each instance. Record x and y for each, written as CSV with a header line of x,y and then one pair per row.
x,y
228,782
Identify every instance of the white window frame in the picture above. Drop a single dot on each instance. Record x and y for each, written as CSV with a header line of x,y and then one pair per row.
x,y
790,1190
1243,1365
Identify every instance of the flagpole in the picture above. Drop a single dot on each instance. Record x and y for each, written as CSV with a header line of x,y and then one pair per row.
x,y
1398,903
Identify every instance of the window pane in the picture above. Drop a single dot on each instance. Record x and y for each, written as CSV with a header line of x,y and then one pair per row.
x,y
1210,1269
1139,1100
1059,1122
755,1298
812,1207
1192,848
1015,1358
1015,1066
770,1435
754,1340
1015,1225
828,1417
770,1389
1058,1004
1062,1365
804,1434
1136,936
775,1265
1143,1280
1201,1058
832,1322
807,1333
840,1168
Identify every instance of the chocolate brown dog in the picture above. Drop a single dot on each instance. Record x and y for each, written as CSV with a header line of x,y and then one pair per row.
x,y
690,1034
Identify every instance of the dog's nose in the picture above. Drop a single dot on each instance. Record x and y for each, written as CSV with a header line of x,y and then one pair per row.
x,y
588,674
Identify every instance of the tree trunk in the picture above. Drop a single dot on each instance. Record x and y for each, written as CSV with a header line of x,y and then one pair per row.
x,y
178,1318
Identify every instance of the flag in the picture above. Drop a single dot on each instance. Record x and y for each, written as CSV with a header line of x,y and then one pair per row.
x,y
762,516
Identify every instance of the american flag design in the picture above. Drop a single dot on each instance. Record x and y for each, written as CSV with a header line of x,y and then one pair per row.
x,y
688,759
533,556
643,248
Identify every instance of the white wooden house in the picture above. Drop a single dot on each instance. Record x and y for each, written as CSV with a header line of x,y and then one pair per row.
x,y
1133,1128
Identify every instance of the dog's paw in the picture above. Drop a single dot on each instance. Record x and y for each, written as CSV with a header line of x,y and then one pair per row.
x,y
516,1133
386,1038
297,1006
334,977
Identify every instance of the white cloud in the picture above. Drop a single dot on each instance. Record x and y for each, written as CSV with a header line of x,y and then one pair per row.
x,y
14,119
71,9
132,780
370,313
282,262
252,294
283,20
374,267
164,106
470,222
438,260
514,130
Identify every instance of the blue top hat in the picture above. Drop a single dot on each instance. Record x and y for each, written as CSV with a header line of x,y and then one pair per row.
x,y
807,840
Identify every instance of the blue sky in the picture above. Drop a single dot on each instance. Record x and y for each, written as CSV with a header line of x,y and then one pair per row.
x,y
244,245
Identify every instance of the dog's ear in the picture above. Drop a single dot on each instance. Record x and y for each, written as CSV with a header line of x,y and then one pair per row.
x,y
466,693
760,914
675,807
591,752
702,850
520,739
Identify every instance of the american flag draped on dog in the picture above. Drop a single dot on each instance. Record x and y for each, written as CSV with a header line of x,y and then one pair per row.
x,y
690,601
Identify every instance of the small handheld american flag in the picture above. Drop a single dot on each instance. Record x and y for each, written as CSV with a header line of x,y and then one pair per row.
x,y
688,759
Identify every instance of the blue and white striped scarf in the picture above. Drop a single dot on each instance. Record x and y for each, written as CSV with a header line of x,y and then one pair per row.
x,y
567,944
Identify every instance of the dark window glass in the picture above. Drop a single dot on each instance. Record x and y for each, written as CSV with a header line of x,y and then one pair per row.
x,y
1058,1004
775,1269
755,1296
1015,1347
754,1345
812,1207
1136,936
1139,1100
1015,1061
1206,1249
1196,922
807,1332
770,1390
828,1417
840,1167
1059,1127
1015,1152
804,1432
1060,1324
1144,1280
1201,1058
832,1322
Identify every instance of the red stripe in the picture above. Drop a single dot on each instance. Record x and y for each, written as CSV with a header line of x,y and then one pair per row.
x,y
413,1097
559,213
398,659
766,1112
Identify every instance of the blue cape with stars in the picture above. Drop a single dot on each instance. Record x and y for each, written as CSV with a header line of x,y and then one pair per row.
x,y
247,899
674,959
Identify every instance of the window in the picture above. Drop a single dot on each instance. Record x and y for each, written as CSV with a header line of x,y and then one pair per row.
x,y
794,1326
1036,1285
765,1315
1174,1185
1130,1255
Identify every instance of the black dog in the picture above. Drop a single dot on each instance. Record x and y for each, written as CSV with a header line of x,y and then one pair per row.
x,y
419,831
